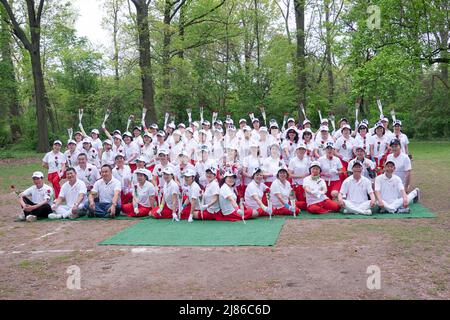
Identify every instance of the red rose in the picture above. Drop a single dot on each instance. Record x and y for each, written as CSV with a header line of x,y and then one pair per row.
x,y
56,158
322,142
93,150
159,169
48,191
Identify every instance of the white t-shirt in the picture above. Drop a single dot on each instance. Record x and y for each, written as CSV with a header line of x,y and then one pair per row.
x,y
365,142
314,186
379,145
178,173
330,167
194,192
244,148
92,156
345,147
169,190
108,157
356,191
321,143
119,150
105,190
290,146
89,175
124,176
251,163
225,204
71,158
271,165
129,150
217,149
285,191
366,165
174,150
71,193
390,189
143,193
254,189
212,189
200,168
39,195
264,151
192,148
404,141
55,161
157,173
97,144
299,167
148,151
310,146
402,165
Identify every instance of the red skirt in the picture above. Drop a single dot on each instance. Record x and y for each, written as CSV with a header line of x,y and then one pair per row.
x,y
234,216
128,209
166,213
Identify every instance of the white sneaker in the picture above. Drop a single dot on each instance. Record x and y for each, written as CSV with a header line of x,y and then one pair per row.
x,y
54,216
417,198
175,217
190,219
31,218
21,217
367,212
345,211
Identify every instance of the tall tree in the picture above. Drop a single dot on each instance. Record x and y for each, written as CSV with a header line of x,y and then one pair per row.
x,y
299,6
8,94
145,59
32,45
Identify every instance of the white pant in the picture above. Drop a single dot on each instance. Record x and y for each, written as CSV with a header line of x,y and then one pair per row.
x,y
65,210
355,208
398,203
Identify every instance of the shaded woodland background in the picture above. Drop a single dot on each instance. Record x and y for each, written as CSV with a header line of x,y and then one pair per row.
x,y
226,55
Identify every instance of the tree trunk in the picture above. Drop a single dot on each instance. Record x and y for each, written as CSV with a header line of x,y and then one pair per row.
x,y
328,54
40,98
181,30
145,62
115,41
8,78
166,101
299,6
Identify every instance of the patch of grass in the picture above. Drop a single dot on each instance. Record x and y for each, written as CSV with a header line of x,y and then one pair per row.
x,y
25,264
17,175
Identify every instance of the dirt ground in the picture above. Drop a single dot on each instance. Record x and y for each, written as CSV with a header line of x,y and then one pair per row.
x,y
312,259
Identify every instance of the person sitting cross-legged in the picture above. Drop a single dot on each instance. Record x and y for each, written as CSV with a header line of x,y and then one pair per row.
x,y
107,189
315,190
144,193
390,191
35,200
353,197
73,192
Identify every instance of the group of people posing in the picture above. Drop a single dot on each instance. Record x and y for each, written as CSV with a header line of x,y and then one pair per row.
x,y
220,172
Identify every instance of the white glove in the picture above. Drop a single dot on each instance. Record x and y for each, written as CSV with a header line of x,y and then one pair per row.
x,y
240,212
136,210
103,126
203,207
159,211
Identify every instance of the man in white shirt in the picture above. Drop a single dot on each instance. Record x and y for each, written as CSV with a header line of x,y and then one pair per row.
x,y
73,192
86,172
107,190
353,197
402,163
390,192
35,201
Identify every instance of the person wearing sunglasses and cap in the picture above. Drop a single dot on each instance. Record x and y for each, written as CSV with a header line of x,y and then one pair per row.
x,y
191,146
108,155
118,144
170,193
191,203
274,131
36,200
400,136
298,170
282,195
338,133
365,140
390,191
316,190
272,164
175,147
217,152
144,193
332,171
310,144
265,141
356,191
229,208
163,162
244,144
240,132
231,138
96,142
55,162
402,164
161,142
255,198
209,206
137,138
71,154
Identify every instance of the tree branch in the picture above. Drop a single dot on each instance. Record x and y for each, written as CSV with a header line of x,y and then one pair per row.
x,y
195,20
18,31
